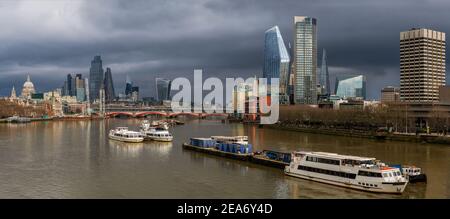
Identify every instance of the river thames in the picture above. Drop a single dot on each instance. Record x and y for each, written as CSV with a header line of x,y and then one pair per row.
x,y
75,159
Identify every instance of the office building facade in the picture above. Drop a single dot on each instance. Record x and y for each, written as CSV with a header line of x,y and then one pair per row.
x,y
422,65
128,86
163,89
95,78
351,87
390,94
109,86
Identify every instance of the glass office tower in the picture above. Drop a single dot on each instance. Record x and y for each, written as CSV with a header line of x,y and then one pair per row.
x,y
276,61
351,87
95,78
305,60
109,86
163,89
128,87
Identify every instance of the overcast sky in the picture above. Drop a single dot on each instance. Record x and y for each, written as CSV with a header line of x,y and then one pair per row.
x,y
169,38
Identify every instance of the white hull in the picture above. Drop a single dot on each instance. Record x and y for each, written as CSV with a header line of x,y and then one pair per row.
x,y
130,140
381,188
360,173
157,135
159,139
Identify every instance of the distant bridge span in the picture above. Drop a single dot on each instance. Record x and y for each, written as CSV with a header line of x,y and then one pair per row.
x,y
165,114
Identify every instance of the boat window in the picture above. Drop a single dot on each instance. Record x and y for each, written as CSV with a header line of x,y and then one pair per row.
x,y
385,175
327,172
390,174
322,160
369,174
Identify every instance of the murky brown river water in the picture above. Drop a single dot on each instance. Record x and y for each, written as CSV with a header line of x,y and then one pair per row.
x,y
75,159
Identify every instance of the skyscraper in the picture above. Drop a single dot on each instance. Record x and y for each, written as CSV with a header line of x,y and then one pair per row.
x,y
276,61
68,86
351,87
95,78
128,87
73,87
305,60
324,77
86,86
109,86
163,89
422,65
80,88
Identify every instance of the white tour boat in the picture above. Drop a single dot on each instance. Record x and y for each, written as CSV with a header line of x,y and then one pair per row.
x,y
353,172
123,134
156,132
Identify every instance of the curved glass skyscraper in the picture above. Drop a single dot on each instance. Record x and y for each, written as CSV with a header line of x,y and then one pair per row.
x,y
276,61
162,89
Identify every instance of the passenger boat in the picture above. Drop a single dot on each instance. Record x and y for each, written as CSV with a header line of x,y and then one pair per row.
x,y
123,134
18,119
361,173
156,132
414,174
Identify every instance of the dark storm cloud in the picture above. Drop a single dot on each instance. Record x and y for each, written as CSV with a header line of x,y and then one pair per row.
x,y
148,39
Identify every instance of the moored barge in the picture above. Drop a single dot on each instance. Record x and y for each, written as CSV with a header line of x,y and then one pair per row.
x,y
271,158
235,147
238,148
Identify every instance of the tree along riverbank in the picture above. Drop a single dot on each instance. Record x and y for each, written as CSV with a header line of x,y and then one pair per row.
x,y
387,122
358,133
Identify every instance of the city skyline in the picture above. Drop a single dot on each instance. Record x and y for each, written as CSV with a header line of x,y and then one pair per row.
x,y
148,56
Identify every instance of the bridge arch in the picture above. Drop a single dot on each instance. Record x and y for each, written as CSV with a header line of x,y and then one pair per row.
x,y
115,114
184,114
142,114
213,115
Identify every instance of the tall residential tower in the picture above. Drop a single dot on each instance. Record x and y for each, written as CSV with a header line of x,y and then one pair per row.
x,y
305,60
422,65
